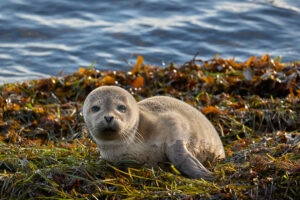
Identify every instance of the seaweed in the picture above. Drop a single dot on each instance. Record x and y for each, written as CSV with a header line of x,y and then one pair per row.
x,y
46,151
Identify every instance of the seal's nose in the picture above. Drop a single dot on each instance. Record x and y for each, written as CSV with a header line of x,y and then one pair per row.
x,y
108,118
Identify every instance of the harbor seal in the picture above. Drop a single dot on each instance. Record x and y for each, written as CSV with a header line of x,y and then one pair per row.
x,y
156,129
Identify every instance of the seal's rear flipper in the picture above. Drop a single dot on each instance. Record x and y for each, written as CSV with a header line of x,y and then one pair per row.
x,y
185,162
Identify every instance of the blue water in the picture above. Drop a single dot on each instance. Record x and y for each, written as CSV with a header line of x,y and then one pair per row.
x,y
39,38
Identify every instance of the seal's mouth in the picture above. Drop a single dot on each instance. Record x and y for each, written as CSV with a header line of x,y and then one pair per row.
x,y
108,130
108,133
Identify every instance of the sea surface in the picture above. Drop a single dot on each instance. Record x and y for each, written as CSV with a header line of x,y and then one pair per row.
x,y
40,38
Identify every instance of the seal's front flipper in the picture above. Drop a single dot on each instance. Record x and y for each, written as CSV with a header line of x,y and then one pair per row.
x,y
186,163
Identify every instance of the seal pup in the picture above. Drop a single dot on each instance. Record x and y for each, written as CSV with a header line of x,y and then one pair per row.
x,y
156,129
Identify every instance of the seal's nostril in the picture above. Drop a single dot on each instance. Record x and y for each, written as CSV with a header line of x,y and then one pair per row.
x,y
108,118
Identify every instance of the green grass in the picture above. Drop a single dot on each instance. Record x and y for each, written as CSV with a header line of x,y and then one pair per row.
x,y
46,151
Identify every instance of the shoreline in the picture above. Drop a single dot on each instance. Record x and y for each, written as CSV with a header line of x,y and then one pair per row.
x,y
254,106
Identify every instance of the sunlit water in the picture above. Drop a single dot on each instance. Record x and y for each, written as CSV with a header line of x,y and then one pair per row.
x,y
41,38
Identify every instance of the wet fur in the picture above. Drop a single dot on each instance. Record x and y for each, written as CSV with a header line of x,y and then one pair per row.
x,y
156,129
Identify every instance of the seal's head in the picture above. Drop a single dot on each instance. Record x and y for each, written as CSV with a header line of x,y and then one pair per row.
x,y
111,114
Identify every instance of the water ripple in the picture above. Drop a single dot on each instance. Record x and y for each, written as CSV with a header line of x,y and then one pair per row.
x,y
39,39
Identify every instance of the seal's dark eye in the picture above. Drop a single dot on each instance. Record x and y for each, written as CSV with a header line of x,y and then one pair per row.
x,y
121,108
95,108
